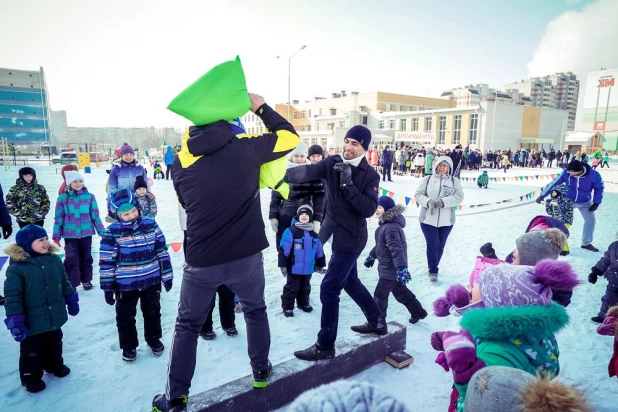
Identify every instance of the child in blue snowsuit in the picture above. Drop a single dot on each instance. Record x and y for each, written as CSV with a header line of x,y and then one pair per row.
x,y
300,254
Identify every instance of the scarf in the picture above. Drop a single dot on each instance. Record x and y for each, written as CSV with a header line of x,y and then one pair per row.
x,y
354,162
304,226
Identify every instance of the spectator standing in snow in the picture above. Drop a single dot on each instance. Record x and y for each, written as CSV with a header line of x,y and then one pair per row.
x,y
123,175
438,195
607,267
168,158
352,197
27,200
387,163
457,160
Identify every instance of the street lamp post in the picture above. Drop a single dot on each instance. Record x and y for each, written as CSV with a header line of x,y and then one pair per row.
x,y
290,77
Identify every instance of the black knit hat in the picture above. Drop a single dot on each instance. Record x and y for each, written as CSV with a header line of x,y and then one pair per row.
x,y
361,134
139,183
316,149
27,171
575,166
305,209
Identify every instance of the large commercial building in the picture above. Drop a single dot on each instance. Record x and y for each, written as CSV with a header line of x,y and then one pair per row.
x,y
59,127
601,106
24,109
473,95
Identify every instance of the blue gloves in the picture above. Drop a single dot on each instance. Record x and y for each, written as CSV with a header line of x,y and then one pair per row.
x,y
369,261
16,325
109,298
167,285
403,276
72,303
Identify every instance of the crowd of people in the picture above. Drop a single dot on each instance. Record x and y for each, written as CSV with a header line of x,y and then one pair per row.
x,y
509,309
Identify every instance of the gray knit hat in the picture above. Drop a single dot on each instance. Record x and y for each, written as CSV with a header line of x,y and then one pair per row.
x,y
540,244
301,149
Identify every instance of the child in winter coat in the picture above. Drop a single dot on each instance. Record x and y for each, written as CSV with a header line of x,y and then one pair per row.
x,y
146,200
300,254
133,264
610,328
483,180
391,251
77,220
560,207
123,175
419,165
71,166
607,267
158,170
38,294
508,319
28,200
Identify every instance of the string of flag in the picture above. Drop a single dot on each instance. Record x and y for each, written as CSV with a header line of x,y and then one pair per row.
x,y
407,200
512,178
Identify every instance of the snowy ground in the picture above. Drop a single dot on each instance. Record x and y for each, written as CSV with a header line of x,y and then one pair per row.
x,y
100,380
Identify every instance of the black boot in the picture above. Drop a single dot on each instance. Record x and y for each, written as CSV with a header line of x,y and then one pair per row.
x,y
35,387
314,353
156,346
260,378
161,404
597,319
210,335
415,319
231,331
306,308
62,372
87,285
590,248
379,329
129,355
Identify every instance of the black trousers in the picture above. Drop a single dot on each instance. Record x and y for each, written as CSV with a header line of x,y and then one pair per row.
x,y
297,289
401,293
386,171
24,224
126,310
168,172
226,310
78,260
38,353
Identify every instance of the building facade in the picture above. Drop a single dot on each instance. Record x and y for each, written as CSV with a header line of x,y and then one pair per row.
x,y
24,109
473,95
601,106
110,138
59,127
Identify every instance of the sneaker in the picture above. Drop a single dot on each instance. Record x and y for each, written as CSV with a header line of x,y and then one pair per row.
x,y
62,372
288,313
367,328
129,355
564,253
314,353
156,346
231,331
423,315
306,308
597,319
34,387
260,378
590,248
210,335
87,285
433,277
161,404
237,307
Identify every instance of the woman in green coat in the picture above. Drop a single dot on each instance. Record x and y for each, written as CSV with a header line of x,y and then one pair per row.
x,y
38,294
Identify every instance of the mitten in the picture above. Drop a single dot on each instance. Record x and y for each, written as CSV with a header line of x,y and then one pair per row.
x,y
109,298
284,271
431,206
72,302
608,328
403,275
167,285
274,224
16,325
345,178
439,204
316,226
460,353
7,230
369,261
540,199
594,274
594,207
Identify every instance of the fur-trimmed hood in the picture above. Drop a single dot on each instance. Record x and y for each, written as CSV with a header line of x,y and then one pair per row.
x,y
17,253
394,214
503,323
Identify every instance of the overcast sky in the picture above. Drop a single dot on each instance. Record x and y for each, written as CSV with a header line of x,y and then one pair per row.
x,y
120,62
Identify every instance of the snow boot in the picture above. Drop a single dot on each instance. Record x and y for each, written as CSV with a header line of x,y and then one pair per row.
x,y
590,248
231,331
488,251
314,353
87,285
156,346
161,404
288,313
306,308
433,277
260,378
379,329
129,355
564,253
62,372
597,319
210,335
414,319
34,387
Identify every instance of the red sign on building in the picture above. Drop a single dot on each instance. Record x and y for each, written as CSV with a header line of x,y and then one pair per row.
x,y
599,126
606,82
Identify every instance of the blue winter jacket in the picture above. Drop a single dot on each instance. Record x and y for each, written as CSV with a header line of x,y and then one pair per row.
x,y
123,176
580,187
168,158
387,157
300,251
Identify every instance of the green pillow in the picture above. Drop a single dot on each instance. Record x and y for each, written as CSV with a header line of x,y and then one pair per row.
x,y
220,94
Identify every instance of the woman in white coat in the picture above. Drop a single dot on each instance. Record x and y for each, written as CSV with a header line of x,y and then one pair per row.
x,y
438,195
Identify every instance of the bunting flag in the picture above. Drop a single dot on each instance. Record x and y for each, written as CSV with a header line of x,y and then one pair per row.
x,y
176,246
511,178
391,194
3,260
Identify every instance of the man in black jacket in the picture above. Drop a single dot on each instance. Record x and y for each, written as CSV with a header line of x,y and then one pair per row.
x,y
351,198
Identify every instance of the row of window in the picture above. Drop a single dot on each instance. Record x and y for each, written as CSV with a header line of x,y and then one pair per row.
x,y
305,114
474,122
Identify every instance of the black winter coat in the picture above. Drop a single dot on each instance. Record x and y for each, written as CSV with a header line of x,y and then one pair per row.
x,y
387,158
308,193
5,218
391,249
458,161
347,209
608,264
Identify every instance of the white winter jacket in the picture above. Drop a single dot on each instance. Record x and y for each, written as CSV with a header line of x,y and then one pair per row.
x,y
419,160
445,187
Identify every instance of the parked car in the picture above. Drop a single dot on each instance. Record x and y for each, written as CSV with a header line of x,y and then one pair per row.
x,y
98,157
65,158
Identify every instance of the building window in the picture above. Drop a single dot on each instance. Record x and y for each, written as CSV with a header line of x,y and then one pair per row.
x,y
474,127
391,124
442,130
364,121
308,127
295,115
319,112
317,127
309,113
381,124
388,108
330,126
314,141
428,124
333,112
342,124
457,129
402,124
415,124
303,114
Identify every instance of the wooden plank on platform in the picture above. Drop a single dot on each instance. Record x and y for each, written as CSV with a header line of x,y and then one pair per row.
x,y
293,377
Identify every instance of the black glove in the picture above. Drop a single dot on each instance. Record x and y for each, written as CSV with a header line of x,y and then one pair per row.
x,y
167,285
346,173
539,199
109,298
6,231
594,207
594,274
369,261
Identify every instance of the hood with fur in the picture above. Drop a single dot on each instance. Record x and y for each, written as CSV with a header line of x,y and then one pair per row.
x,y
441,159
394,214
18,254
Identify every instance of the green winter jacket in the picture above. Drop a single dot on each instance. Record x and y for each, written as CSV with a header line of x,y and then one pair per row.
x,y
429,164
517,337
36,287
29,203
